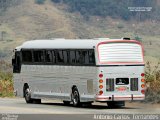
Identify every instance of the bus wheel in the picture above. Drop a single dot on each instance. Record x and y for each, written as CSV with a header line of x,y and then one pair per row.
x,y
75,97
116,104
27,96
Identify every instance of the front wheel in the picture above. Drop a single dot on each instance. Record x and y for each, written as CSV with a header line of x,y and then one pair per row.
x,y
75,98
27,96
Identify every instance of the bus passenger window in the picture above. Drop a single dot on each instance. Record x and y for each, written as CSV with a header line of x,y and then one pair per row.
x,y
38,56
60,56
54,57
85,57
72,57
48,56
26,56
65,57
78,57
91,57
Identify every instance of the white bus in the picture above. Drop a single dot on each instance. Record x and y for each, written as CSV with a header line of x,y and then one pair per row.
x,y
80,71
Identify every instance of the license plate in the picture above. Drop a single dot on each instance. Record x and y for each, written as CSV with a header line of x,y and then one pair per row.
x,y
122,88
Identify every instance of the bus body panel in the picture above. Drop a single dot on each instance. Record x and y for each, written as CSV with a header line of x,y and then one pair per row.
x,y
58,81
121,91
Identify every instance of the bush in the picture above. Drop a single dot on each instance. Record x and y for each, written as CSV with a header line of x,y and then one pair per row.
x,y
120,26
6,82
138,38
40,1
152,77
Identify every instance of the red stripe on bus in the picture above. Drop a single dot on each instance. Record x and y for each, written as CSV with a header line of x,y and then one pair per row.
x,y
120,97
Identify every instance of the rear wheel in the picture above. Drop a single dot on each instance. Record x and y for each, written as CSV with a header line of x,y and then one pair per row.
x,y
75,97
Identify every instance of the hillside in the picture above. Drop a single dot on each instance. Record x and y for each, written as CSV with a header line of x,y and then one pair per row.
x,y
28,20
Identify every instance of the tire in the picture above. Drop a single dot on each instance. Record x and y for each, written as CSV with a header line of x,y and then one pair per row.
x,y
116,104
27,96
75,97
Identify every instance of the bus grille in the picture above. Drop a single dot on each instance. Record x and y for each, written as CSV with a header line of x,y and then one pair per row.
x,y
134,84
110,84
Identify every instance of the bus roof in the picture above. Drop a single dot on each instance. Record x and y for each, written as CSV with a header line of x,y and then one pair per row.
x,y
64,43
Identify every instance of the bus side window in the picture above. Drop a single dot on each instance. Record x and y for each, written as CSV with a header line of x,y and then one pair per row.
x,y
72,57
78,57
65,57
38,56
48,56
85,57
91,57
54,56
26,56
60,57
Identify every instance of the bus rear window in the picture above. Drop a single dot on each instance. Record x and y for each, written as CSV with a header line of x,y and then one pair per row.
x,y
120,53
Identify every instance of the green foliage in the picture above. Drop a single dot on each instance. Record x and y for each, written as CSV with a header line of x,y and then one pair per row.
x,y
112,8
152,77
138,38
6,82
40,1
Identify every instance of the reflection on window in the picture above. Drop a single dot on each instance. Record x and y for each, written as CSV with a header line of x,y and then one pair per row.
x,y
49,56
65,57
38,56
60,56
26,56
72,57
91,57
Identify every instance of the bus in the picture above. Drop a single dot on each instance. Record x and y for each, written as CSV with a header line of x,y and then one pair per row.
x,y
79,71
